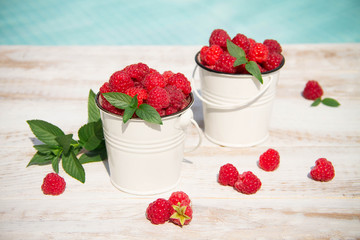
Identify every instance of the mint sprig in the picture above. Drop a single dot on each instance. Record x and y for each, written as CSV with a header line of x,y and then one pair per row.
x,y
60,147
130,105
240,56
330,102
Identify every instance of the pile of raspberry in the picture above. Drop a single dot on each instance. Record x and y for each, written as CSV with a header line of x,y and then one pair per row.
x,y
167,92
216,56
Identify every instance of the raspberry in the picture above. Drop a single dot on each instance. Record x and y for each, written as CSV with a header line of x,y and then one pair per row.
x,y
182,214
225,64
139,91
154,79
53,184
269,160
137,71
252,42
166,75
248,183
158,98
228,175
323,170
210,55
170,110
312,90
219,37
177,97
159,211
120,81
258,53
180,81
272,45
179,197
274,60
242,41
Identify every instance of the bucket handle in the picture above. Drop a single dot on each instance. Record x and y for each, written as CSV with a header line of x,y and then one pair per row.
x,y
231,106
199,132
183,121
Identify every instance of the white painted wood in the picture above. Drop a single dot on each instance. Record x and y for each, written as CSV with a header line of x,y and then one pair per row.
x,y
52,84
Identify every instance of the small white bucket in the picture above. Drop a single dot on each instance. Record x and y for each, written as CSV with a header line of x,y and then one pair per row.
x,y
145,158
236,107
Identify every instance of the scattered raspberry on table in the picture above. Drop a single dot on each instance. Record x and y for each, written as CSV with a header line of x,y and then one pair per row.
x,y
312,90
248,183
159,211
269,160
323,170
53,184
228,175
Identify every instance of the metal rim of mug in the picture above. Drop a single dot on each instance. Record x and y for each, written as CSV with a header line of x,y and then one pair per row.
x,y
197,60
139,119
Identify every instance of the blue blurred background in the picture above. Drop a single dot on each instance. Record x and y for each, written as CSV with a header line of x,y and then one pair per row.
x,y
178,22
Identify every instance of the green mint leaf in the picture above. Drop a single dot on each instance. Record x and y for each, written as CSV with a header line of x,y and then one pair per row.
x,y
65,142
253,68
55,163
117,99
91,135
40,159
316,102
240,61
128,113
45,132
148,113
73,167
93,110
93,156
46,149
330,102
235,50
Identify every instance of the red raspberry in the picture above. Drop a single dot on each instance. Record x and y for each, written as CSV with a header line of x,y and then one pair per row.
x,y
137,71
252,42
248,183
312,90
159,211
120,81
228,175
209,55
180,81
182,214
242,41
53,184
323,170
274,60
273,45
105,104
258,53
225,64
170,110
177,97
166,75
154,79
219,37
269,160
158,98
139,91
179,197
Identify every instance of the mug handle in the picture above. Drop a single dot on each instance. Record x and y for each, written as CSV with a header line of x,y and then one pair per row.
x,y
232,106
184,121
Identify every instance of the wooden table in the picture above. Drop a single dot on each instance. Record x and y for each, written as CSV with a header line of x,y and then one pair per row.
x,y
52,84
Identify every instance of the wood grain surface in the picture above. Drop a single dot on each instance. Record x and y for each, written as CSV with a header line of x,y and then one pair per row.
x,y
52,84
